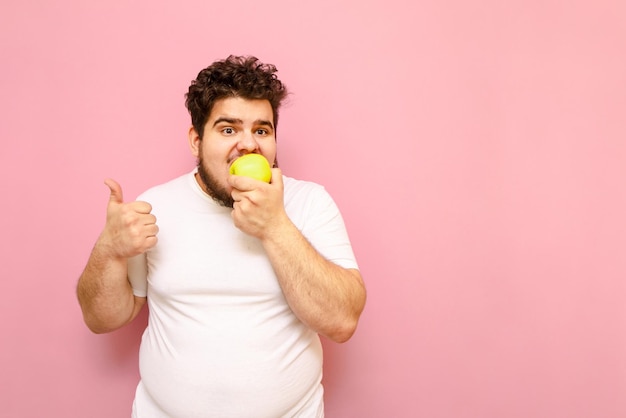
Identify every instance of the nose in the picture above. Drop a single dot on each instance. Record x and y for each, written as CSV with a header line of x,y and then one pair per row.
x,y
247,143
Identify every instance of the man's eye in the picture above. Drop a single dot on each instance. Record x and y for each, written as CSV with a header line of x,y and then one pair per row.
x,y
228,131
261,132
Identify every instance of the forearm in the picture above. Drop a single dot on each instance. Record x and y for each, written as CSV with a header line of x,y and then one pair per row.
x,y
326,297
104,293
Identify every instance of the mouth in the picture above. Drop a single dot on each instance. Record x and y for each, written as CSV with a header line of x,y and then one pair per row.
x,y
232,159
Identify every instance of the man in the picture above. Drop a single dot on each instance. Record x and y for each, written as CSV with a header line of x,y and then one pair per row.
x,y
244,274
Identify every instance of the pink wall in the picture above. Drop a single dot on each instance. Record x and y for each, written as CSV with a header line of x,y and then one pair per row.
x,y
477,150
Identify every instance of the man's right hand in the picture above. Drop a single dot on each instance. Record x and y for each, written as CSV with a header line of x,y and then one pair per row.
x,y
130,228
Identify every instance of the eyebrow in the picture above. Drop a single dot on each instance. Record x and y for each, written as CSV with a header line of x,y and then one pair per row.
x,y
235,121
232,121
263,122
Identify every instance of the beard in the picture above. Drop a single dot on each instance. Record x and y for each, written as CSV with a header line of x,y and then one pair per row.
x,y
212,186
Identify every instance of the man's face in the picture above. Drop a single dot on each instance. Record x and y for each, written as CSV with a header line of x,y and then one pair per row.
x,y
235,127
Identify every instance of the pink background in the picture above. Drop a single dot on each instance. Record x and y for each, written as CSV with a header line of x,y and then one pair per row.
x,y
476,149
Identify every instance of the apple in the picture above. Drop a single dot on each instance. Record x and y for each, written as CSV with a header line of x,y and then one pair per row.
x,y
252,165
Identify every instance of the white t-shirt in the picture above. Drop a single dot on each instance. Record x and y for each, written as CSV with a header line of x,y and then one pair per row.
x,y
221,340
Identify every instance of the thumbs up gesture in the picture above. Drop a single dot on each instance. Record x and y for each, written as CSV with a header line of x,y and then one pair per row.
x,y
130,228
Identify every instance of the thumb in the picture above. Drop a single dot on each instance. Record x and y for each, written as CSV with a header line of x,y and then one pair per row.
x,y
116,191
277,177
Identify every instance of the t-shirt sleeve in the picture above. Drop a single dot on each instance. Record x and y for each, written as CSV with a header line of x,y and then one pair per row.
x,y
138,275
326,231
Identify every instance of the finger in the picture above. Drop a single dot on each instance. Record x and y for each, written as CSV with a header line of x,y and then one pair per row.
x,y
243,183
116,191
141,207
235,181
236,195
151,230
149,219
150,242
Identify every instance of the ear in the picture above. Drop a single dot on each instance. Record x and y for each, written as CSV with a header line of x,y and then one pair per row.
x,y
194,142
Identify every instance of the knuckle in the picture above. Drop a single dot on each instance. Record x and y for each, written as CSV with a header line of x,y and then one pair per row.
x,y
134,232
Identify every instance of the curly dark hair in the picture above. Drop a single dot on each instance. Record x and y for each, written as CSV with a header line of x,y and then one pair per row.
x,y
235,76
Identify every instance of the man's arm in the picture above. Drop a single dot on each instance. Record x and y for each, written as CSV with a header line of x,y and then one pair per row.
x,y
326,297
104,292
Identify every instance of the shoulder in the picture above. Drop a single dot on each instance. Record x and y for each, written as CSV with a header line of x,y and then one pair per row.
x,y
172,190
166,188
306,201
302,190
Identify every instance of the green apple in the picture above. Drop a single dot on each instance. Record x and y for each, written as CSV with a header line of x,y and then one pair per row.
x,y
252,165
